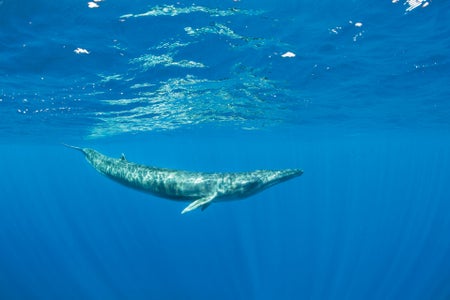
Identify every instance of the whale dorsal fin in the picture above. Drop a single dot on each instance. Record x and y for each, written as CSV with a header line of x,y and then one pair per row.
x,y
203,202
122,157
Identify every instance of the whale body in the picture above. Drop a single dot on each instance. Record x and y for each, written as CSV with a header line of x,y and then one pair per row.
x,y
200,188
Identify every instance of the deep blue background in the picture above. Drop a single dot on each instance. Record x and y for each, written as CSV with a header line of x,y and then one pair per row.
x,y
367,220
364,111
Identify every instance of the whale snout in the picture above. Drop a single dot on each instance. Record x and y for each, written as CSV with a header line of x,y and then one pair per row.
x,y
297,171
281,176
291,173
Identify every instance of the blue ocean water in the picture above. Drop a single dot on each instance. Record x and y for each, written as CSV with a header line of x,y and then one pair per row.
x,y
355,93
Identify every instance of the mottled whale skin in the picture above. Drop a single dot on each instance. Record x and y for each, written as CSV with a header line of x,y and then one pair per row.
x,y
199,187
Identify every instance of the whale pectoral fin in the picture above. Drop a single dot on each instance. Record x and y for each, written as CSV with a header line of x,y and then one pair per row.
x,y
203,202
205,206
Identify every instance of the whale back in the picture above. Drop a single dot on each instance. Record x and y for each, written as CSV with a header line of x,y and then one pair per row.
x,y
141,177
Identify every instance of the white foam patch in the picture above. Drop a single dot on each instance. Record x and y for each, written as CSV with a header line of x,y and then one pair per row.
x,y
357,36
288,54
81,51
413,4
93,4
336,30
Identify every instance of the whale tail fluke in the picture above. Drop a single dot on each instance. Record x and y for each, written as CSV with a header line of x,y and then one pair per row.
x,y
74,147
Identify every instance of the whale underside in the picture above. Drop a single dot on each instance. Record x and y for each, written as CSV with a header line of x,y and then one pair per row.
x,y
200,188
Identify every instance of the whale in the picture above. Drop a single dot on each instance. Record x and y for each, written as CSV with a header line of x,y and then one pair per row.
x,y
199,188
